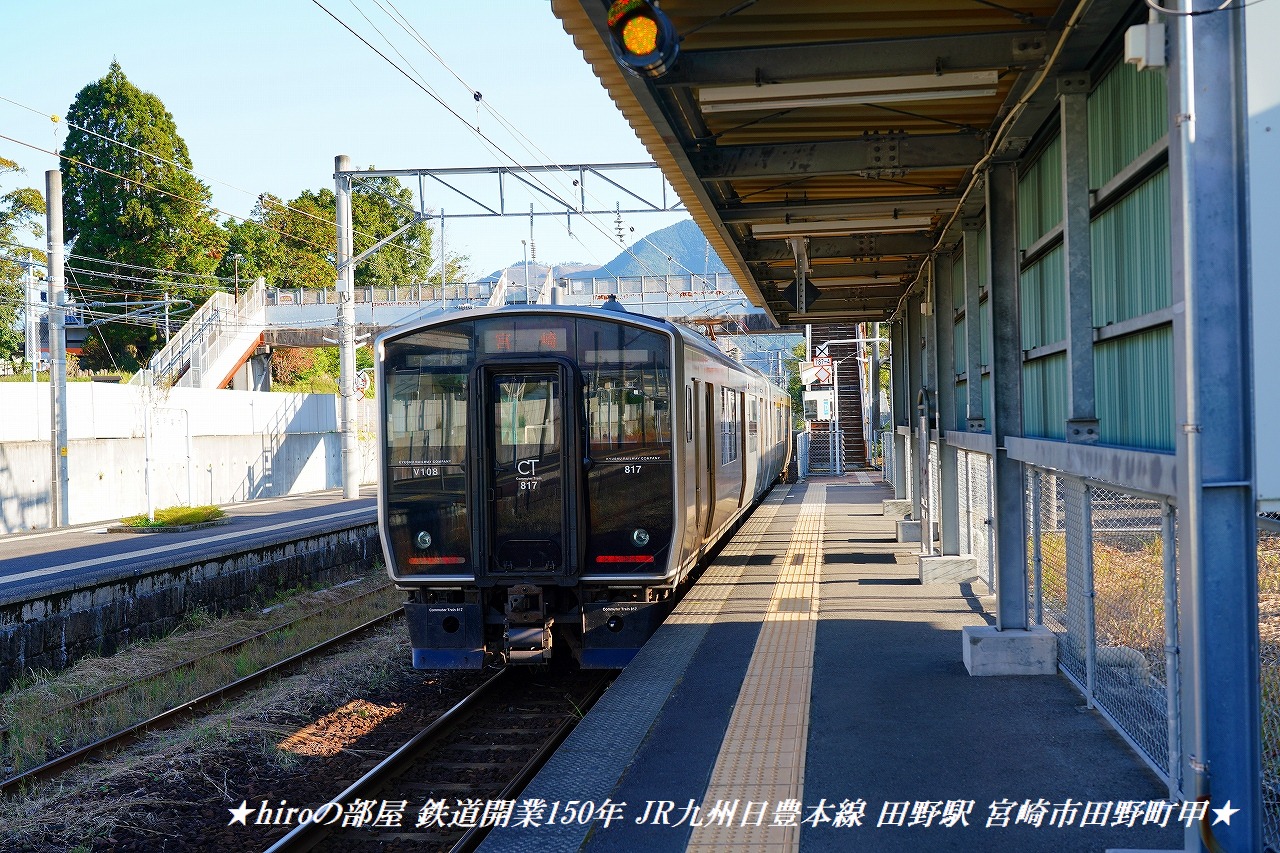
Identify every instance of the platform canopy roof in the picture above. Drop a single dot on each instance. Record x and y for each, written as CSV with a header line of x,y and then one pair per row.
x,y
845,139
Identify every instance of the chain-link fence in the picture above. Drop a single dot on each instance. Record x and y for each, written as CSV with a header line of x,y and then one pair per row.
x,y
973,506
935,486
908,457
1104,579
824,450
1269,648
886,457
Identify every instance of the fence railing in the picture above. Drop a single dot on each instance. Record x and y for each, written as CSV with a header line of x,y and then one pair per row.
x,y
826,447
1103,572
1269,670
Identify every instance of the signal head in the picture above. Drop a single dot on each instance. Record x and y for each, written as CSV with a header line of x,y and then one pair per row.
x,y
643,39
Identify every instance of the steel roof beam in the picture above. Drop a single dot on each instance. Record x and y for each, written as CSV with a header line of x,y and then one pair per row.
x,y
861,58
861,246
885,269
840,157
752,213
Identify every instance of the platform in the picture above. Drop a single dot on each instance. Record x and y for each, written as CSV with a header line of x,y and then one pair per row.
x,y
809,694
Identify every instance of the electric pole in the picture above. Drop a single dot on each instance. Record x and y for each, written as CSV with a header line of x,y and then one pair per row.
x,y
58,514
346,287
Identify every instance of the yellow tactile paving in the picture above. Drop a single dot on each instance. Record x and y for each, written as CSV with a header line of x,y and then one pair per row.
x,y
706,601
762,756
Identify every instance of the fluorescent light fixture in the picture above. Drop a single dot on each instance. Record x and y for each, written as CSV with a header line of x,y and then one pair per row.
x,y
840,227
848,92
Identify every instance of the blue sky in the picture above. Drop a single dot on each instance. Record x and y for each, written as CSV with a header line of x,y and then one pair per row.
x,y
267,93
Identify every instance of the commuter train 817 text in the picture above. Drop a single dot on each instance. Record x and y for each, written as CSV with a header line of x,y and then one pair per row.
x,y
550,475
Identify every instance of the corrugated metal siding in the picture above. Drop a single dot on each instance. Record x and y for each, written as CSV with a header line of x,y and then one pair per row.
x,y
957,282
960,345
984,333
1044,397
1128,113
962,406
986,400
1131,254
1135,389
1043,301
984,259
1040,195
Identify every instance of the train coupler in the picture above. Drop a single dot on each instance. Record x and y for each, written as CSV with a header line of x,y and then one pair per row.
x,y
527,632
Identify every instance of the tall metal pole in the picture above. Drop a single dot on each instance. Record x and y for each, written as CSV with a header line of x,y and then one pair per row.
x,y
525,245
346,286
59,479
33,328
874,385
1210,176
442,260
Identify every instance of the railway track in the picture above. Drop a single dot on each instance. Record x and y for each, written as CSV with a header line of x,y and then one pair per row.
x,y
192,707
484,749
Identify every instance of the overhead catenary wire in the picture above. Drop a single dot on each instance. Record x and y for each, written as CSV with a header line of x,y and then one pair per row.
x,y
154,188
473,129
261,197
520,135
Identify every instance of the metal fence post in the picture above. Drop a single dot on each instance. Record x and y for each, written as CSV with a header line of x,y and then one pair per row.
x,y
1173,679
1037,555
1090,596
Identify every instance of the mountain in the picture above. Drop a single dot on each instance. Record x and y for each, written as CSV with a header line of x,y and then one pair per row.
x,y
678,249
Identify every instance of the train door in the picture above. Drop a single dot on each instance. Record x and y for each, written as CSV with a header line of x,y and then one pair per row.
x,y
710,462
529,473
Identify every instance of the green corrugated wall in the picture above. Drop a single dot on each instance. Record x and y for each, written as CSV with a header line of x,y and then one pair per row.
x,y
1128,113
1040,195
1131,254
1135,389
1043,298
1044,397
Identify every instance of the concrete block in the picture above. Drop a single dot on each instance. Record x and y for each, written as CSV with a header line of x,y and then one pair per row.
x,y
947,569
896,508
909,531
987,651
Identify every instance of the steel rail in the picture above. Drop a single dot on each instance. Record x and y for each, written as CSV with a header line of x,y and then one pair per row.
x,y
307,835
179,712
189,662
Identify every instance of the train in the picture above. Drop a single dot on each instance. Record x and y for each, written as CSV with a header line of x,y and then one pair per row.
x,y
550,475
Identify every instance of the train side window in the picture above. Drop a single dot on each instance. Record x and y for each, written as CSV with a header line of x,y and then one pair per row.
x,y
728,426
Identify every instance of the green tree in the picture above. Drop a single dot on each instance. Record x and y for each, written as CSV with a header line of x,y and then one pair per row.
x,y
123,206
21,210
792,364
293,244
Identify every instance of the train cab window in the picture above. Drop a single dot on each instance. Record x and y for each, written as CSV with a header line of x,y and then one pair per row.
x,y
626,375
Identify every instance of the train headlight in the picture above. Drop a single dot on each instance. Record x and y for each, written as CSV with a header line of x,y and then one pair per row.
x,y
422,540
640,537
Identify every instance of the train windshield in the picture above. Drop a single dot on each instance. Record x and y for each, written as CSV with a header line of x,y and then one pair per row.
x,y
626,375
425,413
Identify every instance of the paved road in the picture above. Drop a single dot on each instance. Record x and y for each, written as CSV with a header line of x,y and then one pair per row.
x,y
37,563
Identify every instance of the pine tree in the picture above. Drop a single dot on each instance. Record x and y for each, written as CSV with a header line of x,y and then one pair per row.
x,y
124,206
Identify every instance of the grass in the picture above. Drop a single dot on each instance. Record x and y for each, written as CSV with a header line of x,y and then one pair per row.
x,y
100,798
40,729
175,516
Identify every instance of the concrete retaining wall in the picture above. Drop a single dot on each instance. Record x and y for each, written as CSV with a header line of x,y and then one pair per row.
x,y
54,631
206,447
